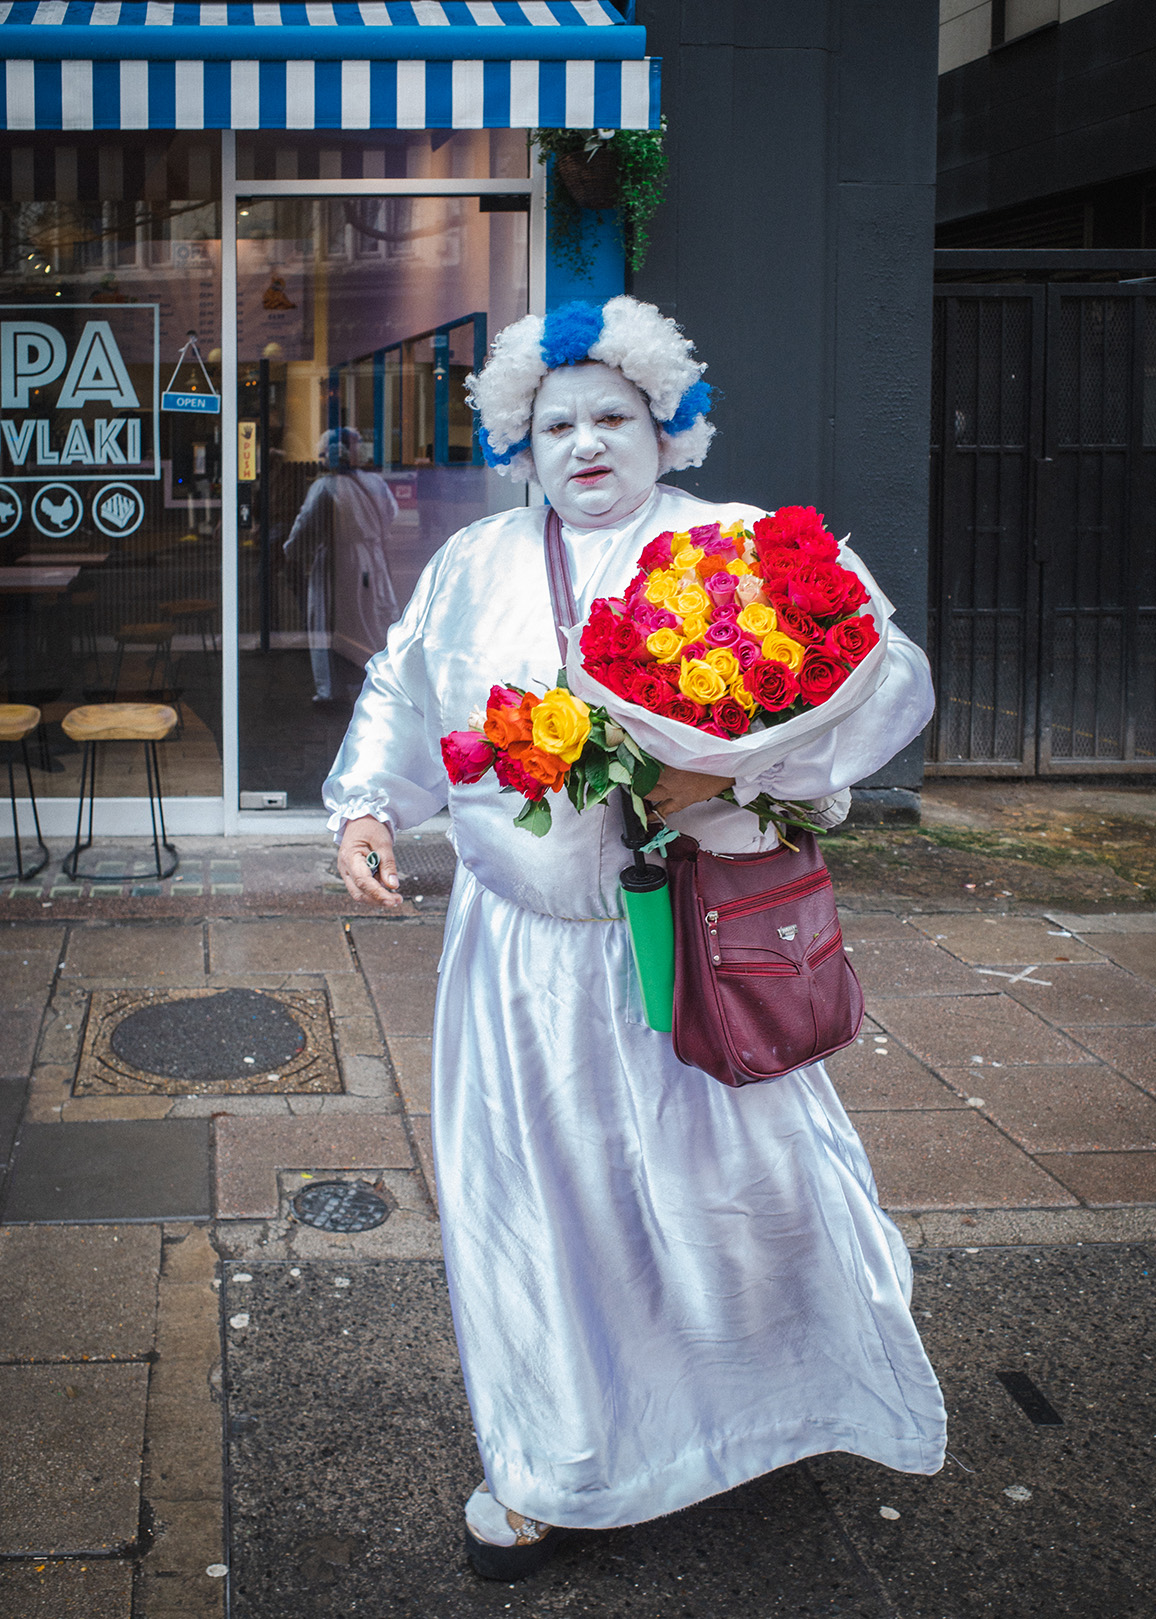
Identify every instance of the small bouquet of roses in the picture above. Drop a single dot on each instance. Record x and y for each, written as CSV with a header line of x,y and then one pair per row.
x,y
727,649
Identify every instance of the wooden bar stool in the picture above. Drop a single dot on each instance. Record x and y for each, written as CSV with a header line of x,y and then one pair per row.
x,y
119,722
17,722
200,614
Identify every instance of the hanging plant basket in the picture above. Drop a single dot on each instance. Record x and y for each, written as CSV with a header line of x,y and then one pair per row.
x,y
591,181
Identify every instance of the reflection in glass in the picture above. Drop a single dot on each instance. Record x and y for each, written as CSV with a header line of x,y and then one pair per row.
x,y
358,322
109,497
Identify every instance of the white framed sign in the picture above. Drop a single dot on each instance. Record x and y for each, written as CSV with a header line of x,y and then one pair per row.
x,y
79,393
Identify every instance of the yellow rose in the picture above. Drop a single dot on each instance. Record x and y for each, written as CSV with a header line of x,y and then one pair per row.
x,y
695,626
665,645
757,619
742,696
738,567
736,531
694,600
780,648
698,681
685,559
723,662
661,586
561,724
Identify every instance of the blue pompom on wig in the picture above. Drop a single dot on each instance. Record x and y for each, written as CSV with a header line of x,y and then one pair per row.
x,y
629,336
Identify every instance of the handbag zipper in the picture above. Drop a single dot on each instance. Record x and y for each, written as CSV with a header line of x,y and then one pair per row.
x,y
784,969
799,889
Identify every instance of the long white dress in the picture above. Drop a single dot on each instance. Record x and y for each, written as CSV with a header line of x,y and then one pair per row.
x,y
661,1287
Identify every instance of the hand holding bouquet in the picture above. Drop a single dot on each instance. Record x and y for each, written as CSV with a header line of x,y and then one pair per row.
x,y
728,648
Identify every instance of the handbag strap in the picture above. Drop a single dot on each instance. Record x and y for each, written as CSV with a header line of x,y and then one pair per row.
x,y
558,573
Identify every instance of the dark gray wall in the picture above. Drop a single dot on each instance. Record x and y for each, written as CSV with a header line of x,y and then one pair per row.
x,y
795,249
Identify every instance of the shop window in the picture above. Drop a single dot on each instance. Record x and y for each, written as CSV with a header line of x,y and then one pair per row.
x,y
390,154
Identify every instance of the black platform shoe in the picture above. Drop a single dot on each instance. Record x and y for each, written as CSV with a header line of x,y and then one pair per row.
x,y
536,1543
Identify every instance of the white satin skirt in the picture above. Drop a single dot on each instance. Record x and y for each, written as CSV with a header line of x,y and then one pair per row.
x,y
661,1287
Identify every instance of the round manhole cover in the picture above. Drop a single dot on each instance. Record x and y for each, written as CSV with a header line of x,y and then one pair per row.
x,y
228,1036
341,1206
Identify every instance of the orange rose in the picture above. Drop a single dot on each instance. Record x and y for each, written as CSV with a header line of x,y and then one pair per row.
x,y
505,726
545,767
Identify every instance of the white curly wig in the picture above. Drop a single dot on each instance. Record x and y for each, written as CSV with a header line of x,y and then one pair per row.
x,y
633,337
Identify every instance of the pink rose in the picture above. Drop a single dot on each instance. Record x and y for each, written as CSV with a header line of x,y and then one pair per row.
x,y
467,754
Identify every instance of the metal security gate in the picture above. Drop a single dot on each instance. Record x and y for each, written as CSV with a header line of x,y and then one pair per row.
x,y
1043,529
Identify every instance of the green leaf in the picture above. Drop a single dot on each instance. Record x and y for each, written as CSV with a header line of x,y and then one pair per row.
x,y
646,775
535,818
598,777
619,773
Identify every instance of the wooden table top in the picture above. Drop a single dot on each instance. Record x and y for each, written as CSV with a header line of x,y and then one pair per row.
x,y
35,581
61,559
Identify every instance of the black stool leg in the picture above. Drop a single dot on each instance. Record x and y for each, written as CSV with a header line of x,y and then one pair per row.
x,y
157,806
33,871
87,778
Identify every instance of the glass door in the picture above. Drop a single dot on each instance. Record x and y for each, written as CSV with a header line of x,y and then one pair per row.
x,y
358,320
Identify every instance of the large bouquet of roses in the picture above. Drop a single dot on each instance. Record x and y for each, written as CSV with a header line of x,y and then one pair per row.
x,y
727,649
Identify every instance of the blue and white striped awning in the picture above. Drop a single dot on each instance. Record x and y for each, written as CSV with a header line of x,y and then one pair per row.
x,y
381,64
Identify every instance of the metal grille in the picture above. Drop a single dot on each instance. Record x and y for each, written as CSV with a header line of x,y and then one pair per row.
x,y
1093,358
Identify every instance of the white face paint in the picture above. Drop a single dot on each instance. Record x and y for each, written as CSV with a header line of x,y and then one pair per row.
x,y
595,445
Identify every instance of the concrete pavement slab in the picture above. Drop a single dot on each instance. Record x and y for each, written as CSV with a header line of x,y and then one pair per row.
x,y
861,927
70,1452
913,967
400,966
950,1030
1084,993
249,1152
78,1292
136,1169
1004,941
1075,1107
1132,1051
411,1063
351,1454
66,1590
127,951
1134,951
1072,1536
28,960
952,1160
1106,1179
12,1094
876,1072
285,945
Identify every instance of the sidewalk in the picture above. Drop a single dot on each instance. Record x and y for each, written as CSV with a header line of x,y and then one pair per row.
x,y
1004,1084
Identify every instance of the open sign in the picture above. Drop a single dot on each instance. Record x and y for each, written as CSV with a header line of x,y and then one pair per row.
x,y
78,392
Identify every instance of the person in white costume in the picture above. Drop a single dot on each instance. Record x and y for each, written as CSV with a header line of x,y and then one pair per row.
x,y
661,1287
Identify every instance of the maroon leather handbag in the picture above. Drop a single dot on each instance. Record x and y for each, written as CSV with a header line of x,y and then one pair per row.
x,y
761,984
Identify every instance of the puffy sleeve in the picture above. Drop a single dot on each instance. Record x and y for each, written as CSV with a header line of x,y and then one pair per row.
x,y
389,764
892,716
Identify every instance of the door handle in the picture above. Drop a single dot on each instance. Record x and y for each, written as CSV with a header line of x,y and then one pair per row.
x,y
1044,508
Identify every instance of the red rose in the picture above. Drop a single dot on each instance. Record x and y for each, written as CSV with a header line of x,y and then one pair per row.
x,y
681,708
657,554
825,590
648,690
503,697
852,639
466,755
797,624
625,640
616,674
511,774
668,673
820,675
598,634
538,765
771,684
730,716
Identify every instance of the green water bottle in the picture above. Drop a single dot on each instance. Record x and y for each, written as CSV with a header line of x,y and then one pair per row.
x,y
646,899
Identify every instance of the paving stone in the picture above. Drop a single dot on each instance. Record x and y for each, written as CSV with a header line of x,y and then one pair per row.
x,y
249,1152
411,1063
155,951
913,967
49,1093
116,1107
138,1169
948,1030
309,945
172,1579
1004,941
1076,1107
1131,1050
951,1159
878,1073
28,958
71,1461
421,1130
405,1002
12,1097
397,950
1088,994
860,927
77,1292
1134,951
97,1589
1106,1178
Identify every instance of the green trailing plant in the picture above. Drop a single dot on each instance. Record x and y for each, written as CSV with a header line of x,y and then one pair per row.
x,y
632,164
